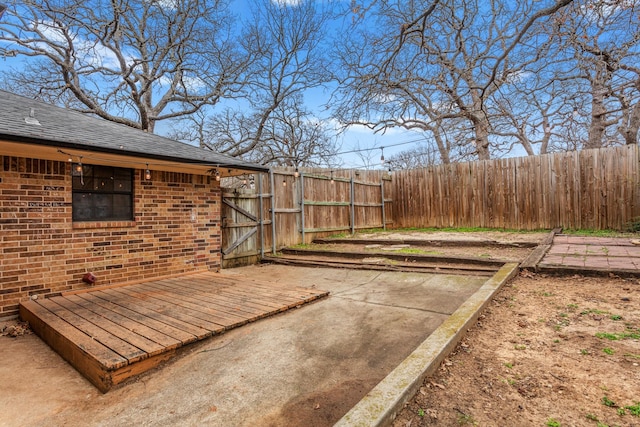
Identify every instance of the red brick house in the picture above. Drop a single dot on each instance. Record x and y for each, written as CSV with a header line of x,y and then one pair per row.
x,y
83,195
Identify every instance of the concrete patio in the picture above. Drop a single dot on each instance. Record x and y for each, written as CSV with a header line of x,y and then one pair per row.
x,y
305,367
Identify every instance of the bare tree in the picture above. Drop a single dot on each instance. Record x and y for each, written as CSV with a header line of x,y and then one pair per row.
x,y
582,92
602,39
368,157
291,136
135,62
271,124
533,113
439,62
294,137
628,97
414,158
441,145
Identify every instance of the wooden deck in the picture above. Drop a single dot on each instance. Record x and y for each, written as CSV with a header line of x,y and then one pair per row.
x,y
112,334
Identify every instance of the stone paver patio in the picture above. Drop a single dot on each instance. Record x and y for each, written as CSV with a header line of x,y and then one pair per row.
x,y
593,253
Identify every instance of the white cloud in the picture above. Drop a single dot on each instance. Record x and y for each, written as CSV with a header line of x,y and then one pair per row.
x,y
165,4
519,76
191,83
599,10
87,51
285,3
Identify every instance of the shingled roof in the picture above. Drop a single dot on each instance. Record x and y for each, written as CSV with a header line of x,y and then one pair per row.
x,y
30,121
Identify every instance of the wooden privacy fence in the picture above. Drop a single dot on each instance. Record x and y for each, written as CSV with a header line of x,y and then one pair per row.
x,y
590,189
280,209
319,202
331,203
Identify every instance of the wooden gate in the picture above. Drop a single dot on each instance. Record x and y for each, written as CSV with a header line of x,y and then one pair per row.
x,y
241,227
288,207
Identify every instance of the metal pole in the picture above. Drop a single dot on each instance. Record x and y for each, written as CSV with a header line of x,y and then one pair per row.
x,y
260,214
273,211
384,217
353,207
302,205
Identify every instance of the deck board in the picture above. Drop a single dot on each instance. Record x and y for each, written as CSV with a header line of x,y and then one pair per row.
x,y
189,299
259,295
131,353
114,333
295,293
220,301
175,329
153,309
102,319
233,300
168,307
208,318
143,334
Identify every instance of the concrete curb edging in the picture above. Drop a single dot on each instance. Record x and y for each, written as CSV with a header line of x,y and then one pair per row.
x,y
381,405
531,262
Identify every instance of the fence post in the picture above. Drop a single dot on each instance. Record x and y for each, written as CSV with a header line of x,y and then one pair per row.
x,y
260,215
384,218
302,205
353,207
273,211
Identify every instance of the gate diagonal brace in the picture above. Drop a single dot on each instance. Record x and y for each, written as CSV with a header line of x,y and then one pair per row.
x,y
239,209
240,241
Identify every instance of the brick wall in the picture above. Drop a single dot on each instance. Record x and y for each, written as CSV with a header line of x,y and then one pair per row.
x,y
176,229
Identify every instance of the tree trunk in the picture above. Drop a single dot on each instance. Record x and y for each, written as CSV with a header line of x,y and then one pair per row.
x,y
631,125
598,109
482,139
442,149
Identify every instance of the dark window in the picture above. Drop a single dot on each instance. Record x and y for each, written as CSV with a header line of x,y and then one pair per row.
x,y
102,193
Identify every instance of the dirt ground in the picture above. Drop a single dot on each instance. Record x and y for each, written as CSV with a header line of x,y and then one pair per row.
x,y
498,236
548,351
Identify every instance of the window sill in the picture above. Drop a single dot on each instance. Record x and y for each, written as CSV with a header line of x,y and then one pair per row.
x,y
103,224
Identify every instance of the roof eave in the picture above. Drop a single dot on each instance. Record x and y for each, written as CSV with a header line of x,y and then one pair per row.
x,y
84,147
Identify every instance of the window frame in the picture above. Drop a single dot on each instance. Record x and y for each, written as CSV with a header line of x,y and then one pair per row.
x,y
94,173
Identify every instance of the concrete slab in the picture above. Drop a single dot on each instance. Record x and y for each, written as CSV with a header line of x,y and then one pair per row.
x,y
306,367
380,406
430,293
